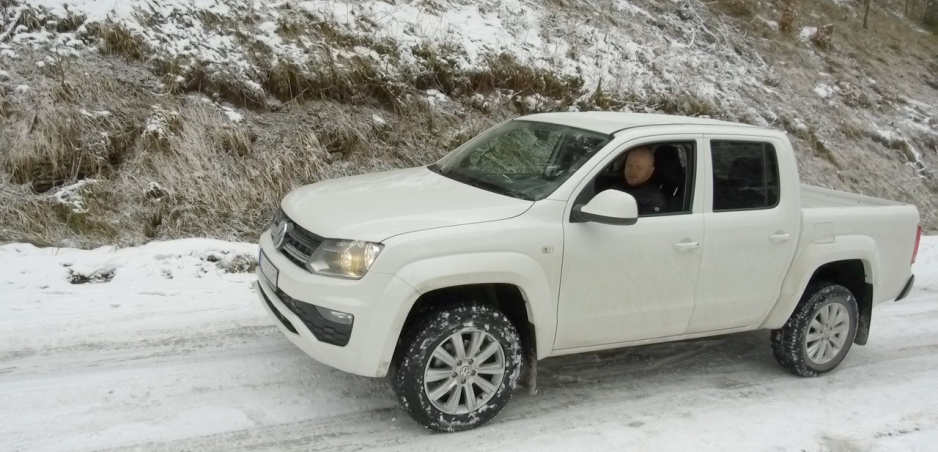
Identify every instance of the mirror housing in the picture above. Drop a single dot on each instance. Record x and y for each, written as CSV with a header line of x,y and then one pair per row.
x,y
609,207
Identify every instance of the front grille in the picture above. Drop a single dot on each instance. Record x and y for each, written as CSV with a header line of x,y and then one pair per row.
x,y
324,330
299,244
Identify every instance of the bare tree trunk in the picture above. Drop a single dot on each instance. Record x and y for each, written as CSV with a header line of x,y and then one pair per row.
x,y
866,15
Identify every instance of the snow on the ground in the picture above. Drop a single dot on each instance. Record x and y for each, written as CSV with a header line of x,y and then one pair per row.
x,y
165,347
807,33
823,91
232,115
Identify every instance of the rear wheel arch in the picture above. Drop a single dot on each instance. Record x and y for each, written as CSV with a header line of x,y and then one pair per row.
x,y
852,274
818,335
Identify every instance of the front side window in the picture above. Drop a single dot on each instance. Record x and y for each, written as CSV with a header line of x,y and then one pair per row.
x,y
522,159
745,175
666,189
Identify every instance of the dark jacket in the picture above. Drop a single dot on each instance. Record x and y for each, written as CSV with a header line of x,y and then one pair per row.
x,y
649,198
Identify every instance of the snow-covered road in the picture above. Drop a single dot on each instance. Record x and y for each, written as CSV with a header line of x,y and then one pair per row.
x,y
175,353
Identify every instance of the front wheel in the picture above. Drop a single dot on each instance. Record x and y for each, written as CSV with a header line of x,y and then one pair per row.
x,y
819,333
457,367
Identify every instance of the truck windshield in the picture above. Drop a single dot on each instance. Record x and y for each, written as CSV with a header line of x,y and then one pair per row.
x,y
521,159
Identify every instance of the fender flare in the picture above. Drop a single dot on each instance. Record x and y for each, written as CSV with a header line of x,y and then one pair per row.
x,y
512,268
813,257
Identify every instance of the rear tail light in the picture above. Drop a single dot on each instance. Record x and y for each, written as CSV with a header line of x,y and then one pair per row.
x,y
918,239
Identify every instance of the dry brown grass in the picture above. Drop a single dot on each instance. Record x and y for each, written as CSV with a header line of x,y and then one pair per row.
x,y
234,140
116,39
225,86
208,177
787,14
741,7
62,133
505,72
823,38
159,126
4,108
735,8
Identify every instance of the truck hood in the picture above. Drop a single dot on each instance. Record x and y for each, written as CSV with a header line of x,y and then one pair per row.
x,y
377,206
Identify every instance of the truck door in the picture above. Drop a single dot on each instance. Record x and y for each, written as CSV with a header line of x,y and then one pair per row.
x,y
751,225
625,283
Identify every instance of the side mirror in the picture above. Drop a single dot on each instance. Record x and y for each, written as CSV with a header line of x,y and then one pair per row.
x,y
609,207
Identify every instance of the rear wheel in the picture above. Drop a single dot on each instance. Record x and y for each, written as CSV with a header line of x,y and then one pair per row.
x,y
817,337
457,368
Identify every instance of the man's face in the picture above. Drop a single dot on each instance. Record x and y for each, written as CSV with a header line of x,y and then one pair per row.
x,y
638,167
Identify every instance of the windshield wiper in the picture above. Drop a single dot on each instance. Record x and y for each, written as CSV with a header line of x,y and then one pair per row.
x,y
495,188
474,181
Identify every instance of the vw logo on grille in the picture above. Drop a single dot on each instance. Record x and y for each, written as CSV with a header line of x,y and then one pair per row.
x,y
280,233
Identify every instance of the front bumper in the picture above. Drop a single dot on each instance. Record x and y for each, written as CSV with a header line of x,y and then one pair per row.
x,y
378,302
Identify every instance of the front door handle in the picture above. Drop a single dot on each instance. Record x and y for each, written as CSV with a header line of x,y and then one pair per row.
x,y
686,246
780,237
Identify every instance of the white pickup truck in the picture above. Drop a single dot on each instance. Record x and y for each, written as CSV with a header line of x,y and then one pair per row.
x,y
453,280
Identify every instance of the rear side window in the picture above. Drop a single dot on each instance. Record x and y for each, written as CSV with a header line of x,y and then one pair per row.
x,y
745,175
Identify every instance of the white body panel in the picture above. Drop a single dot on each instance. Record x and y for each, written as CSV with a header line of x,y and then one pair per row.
x,y
628,283
747,252
608,295
376,206
587,286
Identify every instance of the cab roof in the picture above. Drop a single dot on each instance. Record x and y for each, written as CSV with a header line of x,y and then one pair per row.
x,y
608,122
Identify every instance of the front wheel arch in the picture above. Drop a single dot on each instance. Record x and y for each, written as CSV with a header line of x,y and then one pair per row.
x,y
436,389
506,298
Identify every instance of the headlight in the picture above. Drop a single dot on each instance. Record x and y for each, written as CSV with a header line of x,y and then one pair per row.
x,y
344,258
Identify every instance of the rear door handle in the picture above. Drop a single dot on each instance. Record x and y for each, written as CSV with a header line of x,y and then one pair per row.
x,y
686,246
780,237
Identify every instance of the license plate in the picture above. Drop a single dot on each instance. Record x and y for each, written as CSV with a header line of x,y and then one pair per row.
x,y
269,271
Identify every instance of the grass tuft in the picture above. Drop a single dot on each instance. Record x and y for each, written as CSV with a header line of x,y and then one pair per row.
x,y
786,20
356,81
505,72
4,108
60,132
438,72
234,140
823,38
71,23
160,125
116,39
740,8
62,144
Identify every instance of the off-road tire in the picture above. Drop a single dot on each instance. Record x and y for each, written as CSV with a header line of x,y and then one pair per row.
x,y
436,329
790,343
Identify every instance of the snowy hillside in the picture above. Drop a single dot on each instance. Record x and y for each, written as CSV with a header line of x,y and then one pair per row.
x,y
126,118
165,347
602,46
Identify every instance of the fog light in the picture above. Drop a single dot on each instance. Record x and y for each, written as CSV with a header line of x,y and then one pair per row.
x,y
342,318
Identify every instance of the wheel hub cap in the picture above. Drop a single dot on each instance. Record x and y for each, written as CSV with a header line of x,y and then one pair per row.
x,y
827,333
464,372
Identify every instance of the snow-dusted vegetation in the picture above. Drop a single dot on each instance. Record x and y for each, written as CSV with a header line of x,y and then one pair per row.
x,y
226,105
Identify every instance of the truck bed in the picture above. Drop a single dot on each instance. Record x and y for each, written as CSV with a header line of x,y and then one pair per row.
x,y
830,217
815,197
